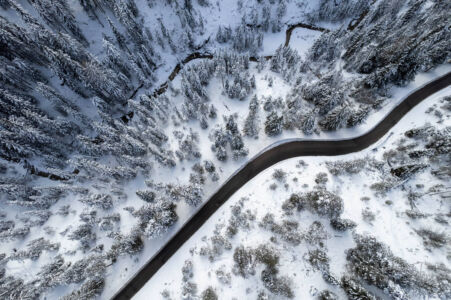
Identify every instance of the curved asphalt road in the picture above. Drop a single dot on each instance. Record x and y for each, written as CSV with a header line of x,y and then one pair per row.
x,y
282,151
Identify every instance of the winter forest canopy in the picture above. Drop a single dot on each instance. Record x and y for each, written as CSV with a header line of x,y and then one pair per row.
x,y
118,118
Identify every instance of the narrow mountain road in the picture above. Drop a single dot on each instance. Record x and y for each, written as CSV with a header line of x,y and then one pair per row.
x,y
282,151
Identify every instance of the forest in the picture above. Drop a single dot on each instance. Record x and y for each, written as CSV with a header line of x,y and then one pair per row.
x,y
105,149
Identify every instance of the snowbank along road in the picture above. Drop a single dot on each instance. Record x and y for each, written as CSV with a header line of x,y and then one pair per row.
x,y
274,154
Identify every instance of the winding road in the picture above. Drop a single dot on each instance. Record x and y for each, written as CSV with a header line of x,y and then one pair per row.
x,y
280,151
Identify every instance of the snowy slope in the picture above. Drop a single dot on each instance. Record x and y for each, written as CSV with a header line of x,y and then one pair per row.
x,y
390,225
93,183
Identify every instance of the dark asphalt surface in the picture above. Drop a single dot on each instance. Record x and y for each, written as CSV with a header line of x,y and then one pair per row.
x,y
282,151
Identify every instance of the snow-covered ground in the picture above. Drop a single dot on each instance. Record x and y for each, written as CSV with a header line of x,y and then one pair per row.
x,y
390,225
105,145
127,266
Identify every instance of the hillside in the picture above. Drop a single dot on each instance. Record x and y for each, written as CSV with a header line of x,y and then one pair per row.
x,y
119,118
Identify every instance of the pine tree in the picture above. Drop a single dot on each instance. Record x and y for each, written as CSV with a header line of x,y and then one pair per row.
x,y
58,15
336,118
121,41
251,127
308,122
273,124
358,116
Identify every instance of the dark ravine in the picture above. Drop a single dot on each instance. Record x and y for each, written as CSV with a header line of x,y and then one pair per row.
x,y
282,151
199,55
205,55
301,25
196,55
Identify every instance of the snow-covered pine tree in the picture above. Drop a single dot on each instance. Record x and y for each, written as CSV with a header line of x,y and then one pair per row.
x,y
273,124
251,126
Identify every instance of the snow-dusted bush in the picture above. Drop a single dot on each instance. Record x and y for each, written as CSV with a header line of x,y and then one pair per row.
x,y
340,224
316,234
351,166
146,195
374,263
318,259
223,276
239,219
279,175
218,244
278,285
209,294
287,230
189,290
85,234
319,201
243,262
268,256
187,270
89,267
327,295
368,215
321,178
103,201
354,290
433,238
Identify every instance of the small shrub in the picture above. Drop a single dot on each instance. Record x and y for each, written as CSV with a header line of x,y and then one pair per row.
x,y
209,294
350,167
340,224
187,270
374,263
318,259
316,234
288,230
277,285
321,201
243,259
267,256
406,171
321,178
218,245
354,290
432,238
223,276
327,295
368,215
189,290
441,284
279,175
382,187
